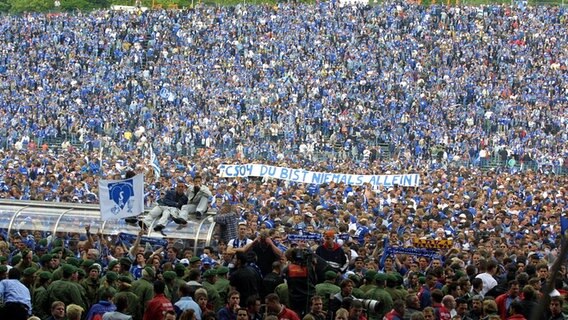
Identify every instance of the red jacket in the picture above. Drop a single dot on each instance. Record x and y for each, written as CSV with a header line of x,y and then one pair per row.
x,y
517,317
441,312
157,307
393,315
287,314
501,302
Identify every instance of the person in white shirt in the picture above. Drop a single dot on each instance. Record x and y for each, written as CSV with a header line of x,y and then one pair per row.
x,y
241,241
488,270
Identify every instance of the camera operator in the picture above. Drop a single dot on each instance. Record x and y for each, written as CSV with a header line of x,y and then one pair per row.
x,y
301,278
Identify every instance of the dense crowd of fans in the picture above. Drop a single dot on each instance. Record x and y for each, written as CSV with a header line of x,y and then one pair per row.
x,y
443,91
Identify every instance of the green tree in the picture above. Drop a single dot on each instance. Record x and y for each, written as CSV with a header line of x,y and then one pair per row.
x,y
19,6
4,6
83,5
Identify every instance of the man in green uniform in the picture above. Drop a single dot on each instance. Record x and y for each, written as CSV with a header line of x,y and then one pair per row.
x,y
28,278
380,294
144,287
109,284
125,289
400,286
180,275
40,294
25,262
391,288
113,266
171,288
327,288
222,284
64,290
369,281
125,265
357,293
282,292
92,283
45,262
209,278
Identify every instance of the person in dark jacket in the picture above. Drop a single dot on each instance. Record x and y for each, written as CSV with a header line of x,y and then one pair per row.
x,y
246,279
170,205
103,306
529,301
301,278
332,252
555,308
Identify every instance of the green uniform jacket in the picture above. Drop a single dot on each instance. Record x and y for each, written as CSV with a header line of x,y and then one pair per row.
x,y
133,308
40,297
127,274
91,287
367,287
169,292
144,289
65,291
358,293
223,286
213,296
282,291
394,293
325,290
384,297
57,275
100,290
402,292
178,282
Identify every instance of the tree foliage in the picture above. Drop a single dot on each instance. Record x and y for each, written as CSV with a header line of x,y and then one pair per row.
x,y
19,6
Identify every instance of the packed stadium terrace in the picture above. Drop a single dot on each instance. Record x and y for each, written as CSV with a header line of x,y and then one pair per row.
x,y
474,99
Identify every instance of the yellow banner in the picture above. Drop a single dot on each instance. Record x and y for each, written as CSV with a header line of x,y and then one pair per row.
x,y
432,244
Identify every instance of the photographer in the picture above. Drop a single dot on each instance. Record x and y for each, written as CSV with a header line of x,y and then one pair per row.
x,y
264,247
301,278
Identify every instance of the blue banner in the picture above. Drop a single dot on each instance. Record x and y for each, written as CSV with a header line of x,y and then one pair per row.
x,y
129,239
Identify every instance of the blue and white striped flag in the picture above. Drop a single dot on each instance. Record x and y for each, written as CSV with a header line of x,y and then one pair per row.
x,y
155,163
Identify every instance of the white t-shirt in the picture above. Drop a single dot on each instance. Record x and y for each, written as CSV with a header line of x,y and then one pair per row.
x,y
488,282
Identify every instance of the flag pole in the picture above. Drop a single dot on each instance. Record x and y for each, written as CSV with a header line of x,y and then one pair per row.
x,y
554,272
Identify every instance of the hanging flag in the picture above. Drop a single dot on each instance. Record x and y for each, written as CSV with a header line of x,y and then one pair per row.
x,y
155,163
563,225
121,198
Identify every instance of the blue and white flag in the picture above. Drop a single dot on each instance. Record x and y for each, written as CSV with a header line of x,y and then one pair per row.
x,y
311,177
121,198
155,163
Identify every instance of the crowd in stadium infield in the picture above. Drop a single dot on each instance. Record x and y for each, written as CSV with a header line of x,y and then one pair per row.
x,y
473,99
